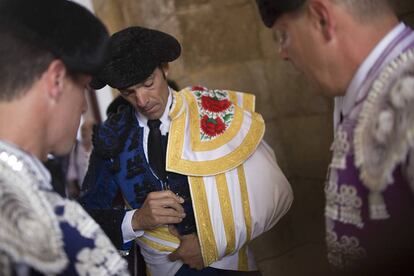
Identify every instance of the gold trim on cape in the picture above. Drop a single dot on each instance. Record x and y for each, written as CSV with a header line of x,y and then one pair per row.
x,y
203,220
179,116
243,259
226,212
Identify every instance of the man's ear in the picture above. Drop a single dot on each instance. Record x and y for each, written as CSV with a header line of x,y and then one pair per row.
x,y
54,76
322,14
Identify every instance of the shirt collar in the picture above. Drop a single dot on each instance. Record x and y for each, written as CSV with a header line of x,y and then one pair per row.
x,y
345,103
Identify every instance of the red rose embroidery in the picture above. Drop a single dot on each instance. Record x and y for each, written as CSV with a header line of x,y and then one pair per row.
x,y
213,104
198,88
212,127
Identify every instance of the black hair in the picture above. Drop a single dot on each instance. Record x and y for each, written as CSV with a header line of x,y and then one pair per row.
x,y
116,105
34,33
21,62
173,84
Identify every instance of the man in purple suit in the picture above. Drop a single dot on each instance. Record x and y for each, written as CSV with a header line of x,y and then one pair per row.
x,y
358,52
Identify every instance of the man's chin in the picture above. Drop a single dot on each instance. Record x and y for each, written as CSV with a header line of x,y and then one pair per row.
x,y
152,116
63,150
322,90
331,93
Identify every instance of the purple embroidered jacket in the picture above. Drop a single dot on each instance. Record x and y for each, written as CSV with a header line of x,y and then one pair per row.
x,y
369,195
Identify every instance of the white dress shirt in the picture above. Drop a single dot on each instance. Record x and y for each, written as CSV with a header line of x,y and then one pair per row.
x,y
127,232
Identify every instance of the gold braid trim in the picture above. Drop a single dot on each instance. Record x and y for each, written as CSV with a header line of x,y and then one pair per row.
x,y
226,212
175,162
203,220
243,259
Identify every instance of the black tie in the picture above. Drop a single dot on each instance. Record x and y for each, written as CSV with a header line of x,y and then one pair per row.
x,y
155,154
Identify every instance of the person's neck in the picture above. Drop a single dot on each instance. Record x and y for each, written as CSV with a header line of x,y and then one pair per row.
x,y
21,124
358,41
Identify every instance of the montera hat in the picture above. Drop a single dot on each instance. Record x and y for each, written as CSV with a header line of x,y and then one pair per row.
x,y
270,10
133,55
63,28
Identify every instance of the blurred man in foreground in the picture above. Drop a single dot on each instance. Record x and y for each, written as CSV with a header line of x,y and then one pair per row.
x,y
49,49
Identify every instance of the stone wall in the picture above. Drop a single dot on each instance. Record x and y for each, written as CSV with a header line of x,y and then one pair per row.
x,y
225,45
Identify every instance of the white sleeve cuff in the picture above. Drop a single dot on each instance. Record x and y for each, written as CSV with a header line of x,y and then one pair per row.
x,y
128,233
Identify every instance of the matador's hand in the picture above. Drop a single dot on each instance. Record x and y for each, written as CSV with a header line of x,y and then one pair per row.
x,y
159,208
189,251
